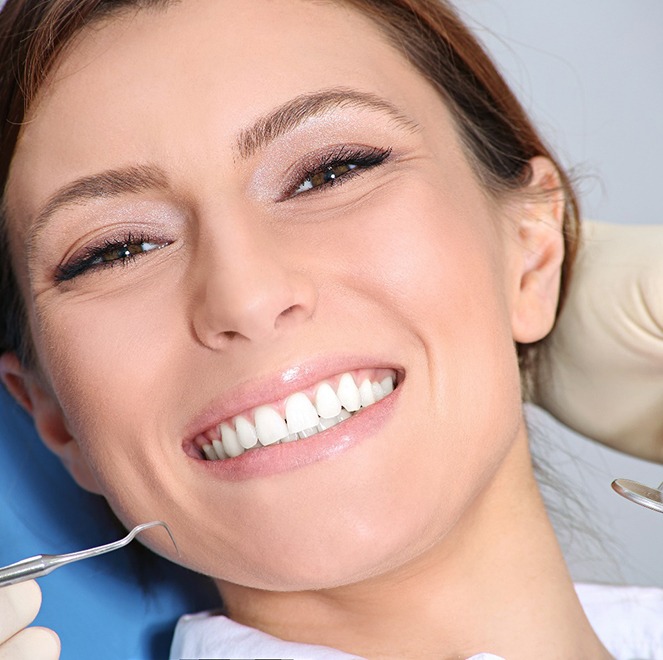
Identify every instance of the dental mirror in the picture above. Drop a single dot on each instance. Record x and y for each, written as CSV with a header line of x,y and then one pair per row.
x,y
643,495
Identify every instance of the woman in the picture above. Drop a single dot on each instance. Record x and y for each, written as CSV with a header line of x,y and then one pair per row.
x,y
275,260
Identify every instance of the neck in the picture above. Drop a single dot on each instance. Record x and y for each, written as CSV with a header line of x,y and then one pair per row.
x,y
497,583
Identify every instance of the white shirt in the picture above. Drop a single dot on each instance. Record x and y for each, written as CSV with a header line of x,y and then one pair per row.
x,y
628,620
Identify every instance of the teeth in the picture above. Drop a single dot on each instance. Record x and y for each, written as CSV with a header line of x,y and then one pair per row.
x,y
307,433
378,392
366,393
210,453
246,433
230,441
300,413
348,393
270,426
325,424
218,448
303,418
326,402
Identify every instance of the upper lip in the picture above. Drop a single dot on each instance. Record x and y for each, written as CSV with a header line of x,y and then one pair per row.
x,y
262,391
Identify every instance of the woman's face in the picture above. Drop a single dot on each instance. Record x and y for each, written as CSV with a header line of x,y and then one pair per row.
x,y
296,205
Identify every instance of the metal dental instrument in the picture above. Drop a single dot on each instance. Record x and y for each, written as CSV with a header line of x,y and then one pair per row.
x,y
36,567
652,498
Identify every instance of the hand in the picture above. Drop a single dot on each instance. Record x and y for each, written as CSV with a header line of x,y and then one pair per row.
x,y
19,604
602,371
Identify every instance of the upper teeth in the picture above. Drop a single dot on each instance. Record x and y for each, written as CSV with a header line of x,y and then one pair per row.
x,y
303,417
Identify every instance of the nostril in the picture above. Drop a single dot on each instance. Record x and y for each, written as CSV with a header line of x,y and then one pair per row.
x,y
292,313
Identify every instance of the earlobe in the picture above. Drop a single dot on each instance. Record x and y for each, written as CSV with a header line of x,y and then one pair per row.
x,y
36,399
541,253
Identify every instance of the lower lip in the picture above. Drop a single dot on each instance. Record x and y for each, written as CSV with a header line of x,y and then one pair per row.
x,y
322,446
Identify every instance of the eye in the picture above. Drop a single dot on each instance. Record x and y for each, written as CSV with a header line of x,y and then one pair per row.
x,y
110,253
328,175
339,166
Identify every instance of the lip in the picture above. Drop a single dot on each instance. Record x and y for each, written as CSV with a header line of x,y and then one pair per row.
x,y
277,458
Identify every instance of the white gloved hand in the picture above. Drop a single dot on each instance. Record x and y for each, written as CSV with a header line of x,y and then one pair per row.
x,y
603,368
19,605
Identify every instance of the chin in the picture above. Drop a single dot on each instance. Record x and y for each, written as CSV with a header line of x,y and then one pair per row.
x,y
336,558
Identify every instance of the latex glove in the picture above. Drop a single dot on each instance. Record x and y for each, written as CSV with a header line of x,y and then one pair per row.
x,y
603,369
19,604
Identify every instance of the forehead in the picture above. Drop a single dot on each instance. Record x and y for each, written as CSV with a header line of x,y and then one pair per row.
x,y
149,82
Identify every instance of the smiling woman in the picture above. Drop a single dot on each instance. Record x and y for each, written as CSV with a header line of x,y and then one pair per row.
x,y
311,243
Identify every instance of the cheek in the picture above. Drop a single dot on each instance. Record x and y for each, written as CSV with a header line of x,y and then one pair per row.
x,y
110,362
431,257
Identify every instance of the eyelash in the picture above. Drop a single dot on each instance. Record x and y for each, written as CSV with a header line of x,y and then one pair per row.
x,y
360,158
357,159
93,257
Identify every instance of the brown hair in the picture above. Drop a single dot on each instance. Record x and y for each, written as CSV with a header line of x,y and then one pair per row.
x,y
498,136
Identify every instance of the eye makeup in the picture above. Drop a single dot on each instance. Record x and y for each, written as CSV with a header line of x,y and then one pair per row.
x,y
334,166
313,174
109,253
325,150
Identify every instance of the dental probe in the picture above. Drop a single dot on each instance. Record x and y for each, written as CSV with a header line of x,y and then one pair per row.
x,y
652,498
36,567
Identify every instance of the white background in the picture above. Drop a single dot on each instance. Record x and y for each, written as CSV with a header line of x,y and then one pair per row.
x,y
591,74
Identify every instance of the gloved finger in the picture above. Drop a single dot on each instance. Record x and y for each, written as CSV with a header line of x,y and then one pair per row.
x,y
19,605
31,644
603,364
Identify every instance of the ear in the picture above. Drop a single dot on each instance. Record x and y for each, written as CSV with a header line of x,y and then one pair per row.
x,y
539,254
27,387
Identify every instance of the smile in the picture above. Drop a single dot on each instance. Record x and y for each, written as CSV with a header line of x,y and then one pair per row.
x,y
299,416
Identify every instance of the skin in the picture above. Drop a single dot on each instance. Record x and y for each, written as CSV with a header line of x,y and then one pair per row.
x,y
428,537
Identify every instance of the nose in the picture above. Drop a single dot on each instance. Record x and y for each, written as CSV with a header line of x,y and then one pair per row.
x,y
248,288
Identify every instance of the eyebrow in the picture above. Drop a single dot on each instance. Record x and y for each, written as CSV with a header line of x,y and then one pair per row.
x,y
109,183
295,112
266,129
